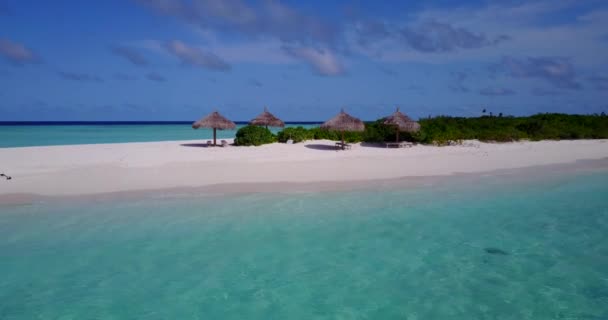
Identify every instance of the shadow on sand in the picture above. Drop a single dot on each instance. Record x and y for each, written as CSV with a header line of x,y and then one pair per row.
x,y
373,145
196,145
321,147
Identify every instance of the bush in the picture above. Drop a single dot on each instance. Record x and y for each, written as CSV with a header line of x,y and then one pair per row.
x,y
297,134
323,134
301,134
379,132
253,136
443,130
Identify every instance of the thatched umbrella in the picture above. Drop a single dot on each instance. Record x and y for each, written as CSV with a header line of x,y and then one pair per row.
x,y
343,122
267,119
216,121
402,123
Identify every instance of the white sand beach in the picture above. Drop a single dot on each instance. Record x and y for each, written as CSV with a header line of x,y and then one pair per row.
x,y
108,168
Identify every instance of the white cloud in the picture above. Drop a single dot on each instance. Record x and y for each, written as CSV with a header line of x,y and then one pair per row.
x,y
193,56
492,91
268,19
531,27
17,53
322,61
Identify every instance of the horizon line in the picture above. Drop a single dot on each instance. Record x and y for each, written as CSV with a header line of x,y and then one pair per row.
x,y
84,122
60,122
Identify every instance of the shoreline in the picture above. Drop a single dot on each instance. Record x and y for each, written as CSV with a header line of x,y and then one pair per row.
x,y
112,170
505,176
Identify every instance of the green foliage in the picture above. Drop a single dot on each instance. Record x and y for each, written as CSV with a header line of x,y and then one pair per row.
x,y
379,132
322,134
253,136
297,134
374,132
548,126
444,130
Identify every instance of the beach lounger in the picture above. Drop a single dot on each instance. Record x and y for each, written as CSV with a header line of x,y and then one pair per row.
x,y
343,146
402,144
224,143
209,143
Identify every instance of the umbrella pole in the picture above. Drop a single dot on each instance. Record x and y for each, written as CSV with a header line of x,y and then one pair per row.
x,y
342,139
214,144
397,135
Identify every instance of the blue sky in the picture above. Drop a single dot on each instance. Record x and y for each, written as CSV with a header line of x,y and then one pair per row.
x,y
180,59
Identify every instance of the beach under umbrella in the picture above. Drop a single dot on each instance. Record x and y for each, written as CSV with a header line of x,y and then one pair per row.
x,y
343,122
267,119
402,122
216,121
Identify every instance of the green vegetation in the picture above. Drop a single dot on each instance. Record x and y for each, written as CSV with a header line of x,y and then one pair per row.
x,y
444,130
253,136
550,126
297,134
374,132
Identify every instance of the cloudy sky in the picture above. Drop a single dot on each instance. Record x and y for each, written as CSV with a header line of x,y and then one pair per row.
x,y
179,59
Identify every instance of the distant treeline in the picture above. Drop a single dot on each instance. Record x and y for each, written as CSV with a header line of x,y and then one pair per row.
x,y
443,130
547,126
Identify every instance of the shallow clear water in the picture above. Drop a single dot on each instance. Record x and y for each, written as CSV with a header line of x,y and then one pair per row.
x,y
490,250
47,135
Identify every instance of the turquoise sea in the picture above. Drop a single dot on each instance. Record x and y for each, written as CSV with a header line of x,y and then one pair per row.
x,y
45,134
481,248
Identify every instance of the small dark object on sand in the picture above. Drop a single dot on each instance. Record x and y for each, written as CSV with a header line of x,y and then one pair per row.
x,y
7,177
496,251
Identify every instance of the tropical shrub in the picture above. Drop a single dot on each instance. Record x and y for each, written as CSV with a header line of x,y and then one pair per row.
x,y
323,134
379,132
297,134
253,136
444,130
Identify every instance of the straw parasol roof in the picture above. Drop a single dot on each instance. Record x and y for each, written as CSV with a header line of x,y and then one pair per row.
x,y
267,119
402,122
344,122
214,120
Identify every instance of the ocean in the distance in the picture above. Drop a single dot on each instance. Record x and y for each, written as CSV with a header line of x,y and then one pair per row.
x,y
48,134
486,248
